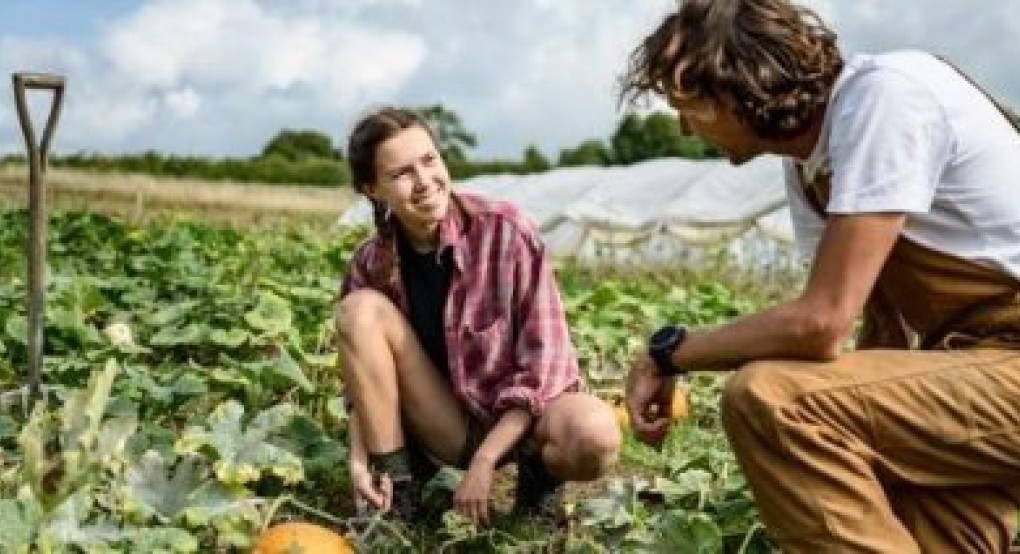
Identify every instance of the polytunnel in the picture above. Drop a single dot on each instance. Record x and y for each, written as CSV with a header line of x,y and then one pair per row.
x,y
661,211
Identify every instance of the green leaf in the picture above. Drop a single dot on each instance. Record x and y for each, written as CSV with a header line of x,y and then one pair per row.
x,y
337,409
17,329
689,533
162,539
66,526
695,483
84,443
153,488
8,427
244,453
287,368
171,313
189,385
18,525
220,505
83,410
190,334
271,315
232,338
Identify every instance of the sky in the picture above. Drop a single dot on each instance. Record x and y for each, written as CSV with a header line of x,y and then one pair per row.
x,y
221,77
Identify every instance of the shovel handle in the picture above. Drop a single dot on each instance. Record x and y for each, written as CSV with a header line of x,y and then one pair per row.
x,y
38,81
37,161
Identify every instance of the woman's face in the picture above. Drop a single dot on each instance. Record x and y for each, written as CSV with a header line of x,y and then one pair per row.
x,y
412,180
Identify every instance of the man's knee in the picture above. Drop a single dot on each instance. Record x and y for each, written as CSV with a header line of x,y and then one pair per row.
x,y
752,394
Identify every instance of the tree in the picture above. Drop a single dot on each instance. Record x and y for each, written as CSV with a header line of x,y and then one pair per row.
x,y
656,136
297,145
453,138
589,152
534,161
628,141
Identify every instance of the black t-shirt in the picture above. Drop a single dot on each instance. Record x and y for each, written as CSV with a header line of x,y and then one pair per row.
x,y
427,283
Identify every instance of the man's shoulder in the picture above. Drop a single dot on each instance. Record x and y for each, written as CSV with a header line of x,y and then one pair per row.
x,y
894,72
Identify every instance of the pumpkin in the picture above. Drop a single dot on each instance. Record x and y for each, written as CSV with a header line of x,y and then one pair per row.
x,y
679,407
306,538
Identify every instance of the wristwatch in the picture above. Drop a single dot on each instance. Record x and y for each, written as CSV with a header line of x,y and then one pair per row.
x,y
661,347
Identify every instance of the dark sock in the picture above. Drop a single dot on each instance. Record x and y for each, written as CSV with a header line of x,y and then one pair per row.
x,y
394,464
536,471
406,489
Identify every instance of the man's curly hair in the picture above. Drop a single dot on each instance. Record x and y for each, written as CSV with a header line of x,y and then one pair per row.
x,y
777,61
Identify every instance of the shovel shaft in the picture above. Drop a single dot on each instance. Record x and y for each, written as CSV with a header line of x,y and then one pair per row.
x,y
37,161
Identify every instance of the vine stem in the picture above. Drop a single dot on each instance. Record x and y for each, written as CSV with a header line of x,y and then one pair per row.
x,y
373,522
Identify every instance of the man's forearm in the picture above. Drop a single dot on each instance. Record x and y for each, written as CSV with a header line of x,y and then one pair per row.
x,y
787,330
512,425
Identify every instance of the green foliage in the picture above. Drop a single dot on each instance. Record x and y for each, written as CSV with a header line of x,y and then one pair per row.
x,y
534,161
657,135
296,146
454,140
589,152
193,397
327,172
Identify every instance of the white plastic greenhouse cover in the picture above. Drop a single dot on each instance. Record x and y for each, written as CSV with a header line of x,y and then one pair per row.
x,y
654,210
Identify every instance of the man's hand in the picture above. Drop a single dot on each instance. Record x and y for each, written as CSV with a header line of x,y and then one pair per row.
x,y
471,498
649,401
370,493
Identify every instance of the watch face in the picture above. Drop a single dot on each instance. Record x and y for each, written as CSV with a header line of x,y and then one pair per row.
x,y
664,337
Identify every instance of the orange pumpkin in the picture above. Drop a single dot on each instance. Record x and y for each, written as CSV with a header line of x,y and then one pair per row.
x,y
306,538
679,407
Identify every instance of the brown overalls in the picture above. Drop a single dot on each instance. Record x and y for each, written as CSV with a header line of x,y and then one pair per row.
x,y
909,444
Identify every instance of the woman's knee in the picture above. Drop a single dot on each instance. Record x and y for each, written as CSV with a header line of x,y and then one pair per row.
x,y
361,310
592,438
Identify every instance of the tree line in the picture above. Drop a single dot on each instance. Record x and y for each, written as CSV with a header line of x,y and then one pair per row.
x,y
310,157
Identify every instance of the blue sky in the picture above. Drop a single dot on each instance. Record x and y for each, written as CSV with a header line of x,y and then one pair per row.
x,y
220,77
77,21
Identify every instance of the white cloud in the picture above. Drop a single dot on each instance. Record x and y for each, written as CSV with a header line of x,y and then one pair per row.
x,y
222,76
236,70
184,103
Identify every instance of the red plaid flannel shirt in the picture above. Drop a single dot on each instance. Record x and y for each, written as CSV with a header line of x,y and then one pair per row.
x,y
506,333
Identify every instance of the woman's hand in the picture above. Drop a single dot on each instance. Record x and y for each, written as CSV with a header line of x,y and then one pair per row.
x,y
471,498
370,493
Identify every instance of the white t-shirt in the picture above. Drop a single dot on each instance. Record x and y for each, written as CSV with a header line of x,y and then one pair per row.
x,y
905,132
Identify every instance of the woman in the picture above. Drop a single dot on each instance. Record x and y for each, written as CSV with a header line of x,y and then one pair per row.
x,y
453,341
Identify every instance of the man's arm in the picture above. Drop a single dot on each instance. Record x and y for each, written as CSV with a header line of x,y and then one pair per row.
x,y
850,256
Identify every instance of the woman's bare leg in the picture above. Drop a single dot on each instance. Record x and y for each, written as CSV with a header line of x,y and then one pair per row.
x,y
578,437
387,373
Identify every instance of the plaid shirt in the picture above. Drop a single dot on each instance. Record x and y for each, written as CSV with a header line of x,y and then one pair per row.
x,y
506,333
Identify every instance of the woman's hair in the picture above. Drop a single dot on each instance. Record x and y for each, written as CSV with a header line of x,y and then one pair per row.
x,y
775,60
373,129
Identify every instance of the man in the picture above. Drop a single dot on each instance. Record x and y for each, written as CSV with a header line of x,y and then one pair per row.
x,y
453,340
904,182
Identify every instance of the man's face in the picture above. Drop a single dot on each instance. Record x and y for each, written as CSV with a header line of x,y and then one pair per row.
x,y
716,122
412,180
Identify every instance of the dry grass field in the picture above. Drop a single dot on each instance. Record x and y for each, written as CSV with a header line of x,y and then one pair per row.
x,y
142,197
